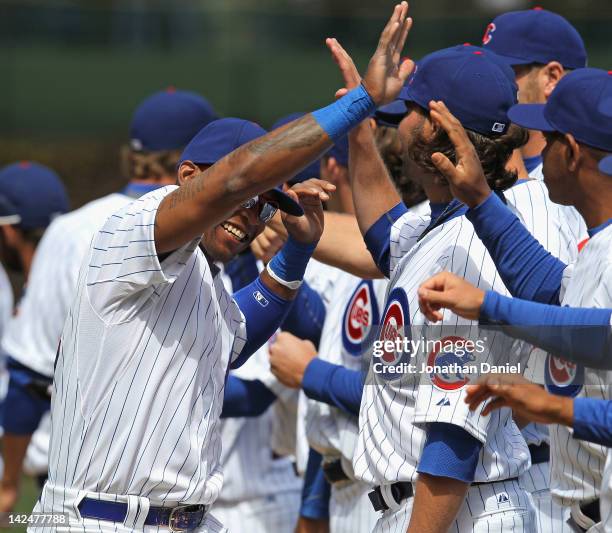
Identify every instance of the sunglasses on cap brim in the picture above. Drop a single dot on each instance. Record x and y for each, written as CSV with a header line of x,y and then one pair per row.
x,y
267,209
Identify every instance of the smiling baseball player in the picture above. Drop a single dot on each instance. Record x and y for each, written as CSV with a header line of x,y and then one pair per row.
x,y
576,123
161,126
147,344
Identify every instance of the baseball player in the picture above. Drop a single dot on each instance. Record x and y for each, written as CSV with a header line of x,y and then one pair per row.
x,y
152,331
580,111
403,414
549,48
161,125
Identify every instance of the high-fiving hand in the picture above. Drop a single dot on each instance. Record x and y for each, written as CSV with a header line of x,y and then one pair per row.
x,y
386,72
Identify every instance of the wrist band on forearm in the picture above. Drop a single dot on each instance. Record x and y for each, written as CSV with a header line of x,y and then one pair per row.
x,y
339,118
287,267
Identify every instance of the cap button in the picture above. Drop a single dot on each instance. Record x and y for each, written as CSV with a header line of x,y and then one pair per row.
x,y
467,44
171,89
538,8
24,164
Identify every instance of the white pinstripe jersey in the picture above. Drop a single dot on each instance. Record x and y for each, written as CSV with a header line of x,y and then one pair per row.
x,y
322,279
577,466
141,369
355,310
394,411
6,300
32,335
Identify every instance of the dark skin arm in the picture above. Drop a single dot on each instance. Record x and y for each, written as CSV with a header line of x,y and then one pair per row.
x,y
205,199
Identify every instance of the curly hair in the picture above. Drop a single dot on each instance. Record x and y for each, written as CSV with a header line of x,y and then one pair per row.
x,y
390,148
493,152
138,165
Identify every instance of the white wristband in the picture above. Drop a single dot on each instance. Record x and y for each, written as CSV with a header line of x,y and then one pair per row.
x,y
293,285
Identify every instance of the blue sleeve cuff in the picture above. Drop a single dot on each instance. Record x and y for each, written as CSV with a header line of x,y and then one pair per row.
x,y
378,237
593,420
334,385
450,451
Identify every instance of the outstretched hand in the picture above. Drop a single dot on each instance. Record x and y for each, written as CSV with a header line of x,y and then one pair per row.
x,y
466,178
527,400
449,291
386,73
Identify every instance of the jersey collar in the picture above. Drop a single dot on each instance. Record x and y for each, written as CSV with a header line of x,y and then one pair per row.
x,y
594,231
531,163
136,190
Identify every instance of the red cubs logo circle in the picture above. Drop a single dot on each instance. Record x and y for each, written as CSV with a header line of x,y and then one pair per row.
x,y
394,328
449,359
488,34
563,377
360,314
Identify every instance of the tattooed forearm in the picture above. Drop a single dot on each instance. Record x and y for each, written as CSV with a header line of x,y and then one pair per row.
x,y
305,132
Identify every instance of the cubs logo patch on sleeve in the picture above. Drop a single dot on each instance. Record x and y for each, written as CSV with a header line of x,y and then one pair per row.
x,y
447,363
360,315
563,377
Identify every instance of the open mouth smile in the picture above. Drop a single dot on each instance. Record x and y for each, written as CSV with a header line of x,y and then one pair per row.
x,y
235,232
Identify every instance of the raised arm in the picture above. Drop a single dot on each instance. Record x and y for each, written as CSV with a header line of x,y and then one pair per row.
x,y
206,198
373,191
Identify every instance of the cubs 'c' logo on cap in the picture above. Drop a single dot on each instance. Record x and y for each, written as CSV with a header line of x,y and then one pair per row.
x,y
452,354
563,377
488,34
359,316
395,325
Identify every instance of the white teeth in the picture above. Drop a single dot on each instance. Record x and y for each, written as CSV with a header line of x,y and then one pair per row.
x,y
234,230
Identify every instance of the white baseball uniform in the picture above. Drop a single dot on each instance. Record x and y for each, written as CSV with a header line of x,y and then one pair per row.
x,y
33,334
322,279
577,467
396,407
575,222
140,375
261,491
354,312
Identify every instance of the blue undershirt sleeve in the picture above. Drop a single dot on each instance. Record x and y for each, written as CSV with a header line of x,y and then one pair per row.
x,y
334,385
264,311
245,398
526,268
378,236
449,451
578,334
593,420
316,491
307,315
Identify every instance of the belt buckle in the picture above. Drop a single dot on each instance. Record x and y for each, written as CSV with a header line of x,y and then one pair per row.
x,y
182,517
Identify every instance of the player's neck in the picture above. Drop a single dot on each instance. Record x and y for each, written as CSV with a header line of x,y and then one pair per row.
x,y
593,200
534,146
437,193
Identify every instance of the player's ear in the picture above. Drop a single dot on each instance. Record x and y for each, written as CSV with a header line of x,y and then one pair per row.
x,y
552,73
187,171
573,153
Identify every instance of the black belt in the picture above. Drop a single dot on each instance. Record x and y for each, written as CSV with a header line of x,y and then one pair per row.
x,y
333,471
539,454
180,518
402,490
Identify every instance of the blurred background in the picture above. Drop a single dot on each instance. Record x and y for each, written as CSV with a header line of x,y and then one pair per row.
x,y
72,71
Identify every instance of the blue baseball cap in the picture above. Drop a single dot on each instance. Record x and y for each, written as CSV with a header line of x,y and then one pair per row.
x,y
581,104
168,120
605,165
535,36
473,84
391,115
221,137
31,195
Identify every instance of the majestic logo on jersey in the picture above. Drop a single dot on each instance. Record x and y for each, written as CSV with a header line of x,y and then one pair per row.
x,y
359,316
448,361
488,34
563,377
395,325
